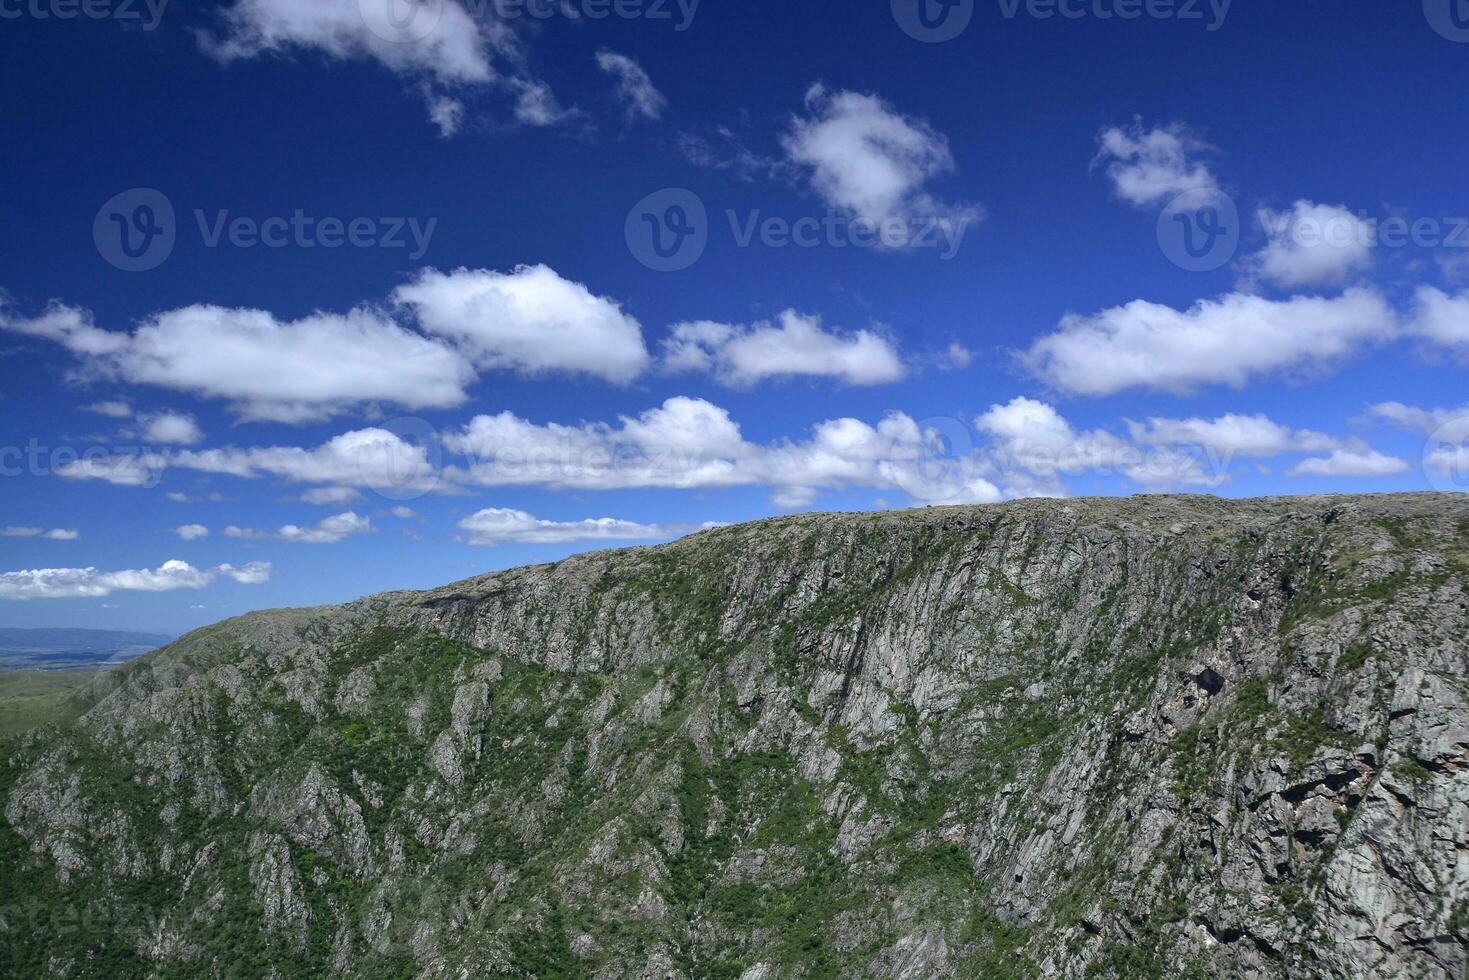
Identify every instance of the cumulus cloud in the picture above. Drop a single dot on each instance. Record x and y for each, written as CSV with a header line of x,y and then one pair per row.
x,y
1356,461
1149,166
1312,245
1421,420
634,88
1032,446
1228,341
327,531
442,46
80,583
369,458
1243,436
867,160
1441,318
269,369
191,532
123,470
689,443
795,345
530,320
497,526
171,428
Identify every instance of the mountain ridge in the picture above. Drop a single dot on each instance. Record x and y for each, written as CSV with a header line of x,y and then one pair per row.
x,y
1155,736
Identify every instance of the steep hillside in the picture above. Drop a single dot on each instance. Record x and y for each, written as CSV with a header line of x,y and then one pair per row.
x,y
1152,737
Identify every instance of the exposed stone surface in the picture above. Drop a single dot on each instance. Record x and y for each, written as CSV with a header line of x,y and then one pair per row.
x,y
1151,737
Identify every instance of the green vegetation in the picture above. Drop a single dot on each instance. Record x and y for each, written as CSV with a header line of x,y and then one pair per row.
x,y
32,698
836,746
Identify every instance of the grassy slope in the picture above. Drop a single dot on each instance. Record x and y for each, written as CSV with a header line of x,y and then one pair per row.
x,y
32,698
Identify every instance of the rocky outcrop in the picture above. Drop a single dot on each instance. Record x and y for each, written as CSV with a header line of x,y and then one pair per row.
x,y
1151,737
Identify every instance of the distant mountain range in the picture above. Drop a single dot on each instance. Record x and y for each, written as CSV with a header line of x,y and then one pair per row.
x,y
73,649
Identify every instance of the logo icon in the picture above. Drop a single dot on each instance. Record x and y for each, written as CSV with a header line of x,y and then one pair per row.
x,y
1199,230
945,468
668,230
1450,18
1446,457
405,466
933,21
135,231
401,21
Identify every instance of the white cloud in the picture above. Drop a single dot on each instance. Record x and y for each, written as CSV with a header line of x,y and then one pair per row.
x,y
634,88
404,513
191,532
454,50
171,428
1032,438
327,531
721,149
78,583
688,443
371,458
868,160
1229,341
255,573
183,498
1311,245
955,358
535,103
685,443
1244,436
269,369
1421,420
113,410
1442,318
1148,166
1032,446
1455,266
123,470
445,112
530,320
797,345
441,44
330,496
58,534
497,526
1357,461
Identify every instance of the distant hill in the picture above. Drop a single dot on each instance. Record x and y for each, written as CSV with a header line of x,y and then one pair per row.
x,y
72,649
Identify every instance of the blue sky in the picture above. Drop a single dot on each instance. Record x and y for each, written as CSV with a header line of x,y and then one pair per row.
x,y
212,401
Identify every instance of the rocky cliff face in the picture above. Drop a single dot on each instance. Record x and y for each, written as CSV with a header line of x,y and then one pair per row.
x,y
1155,737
